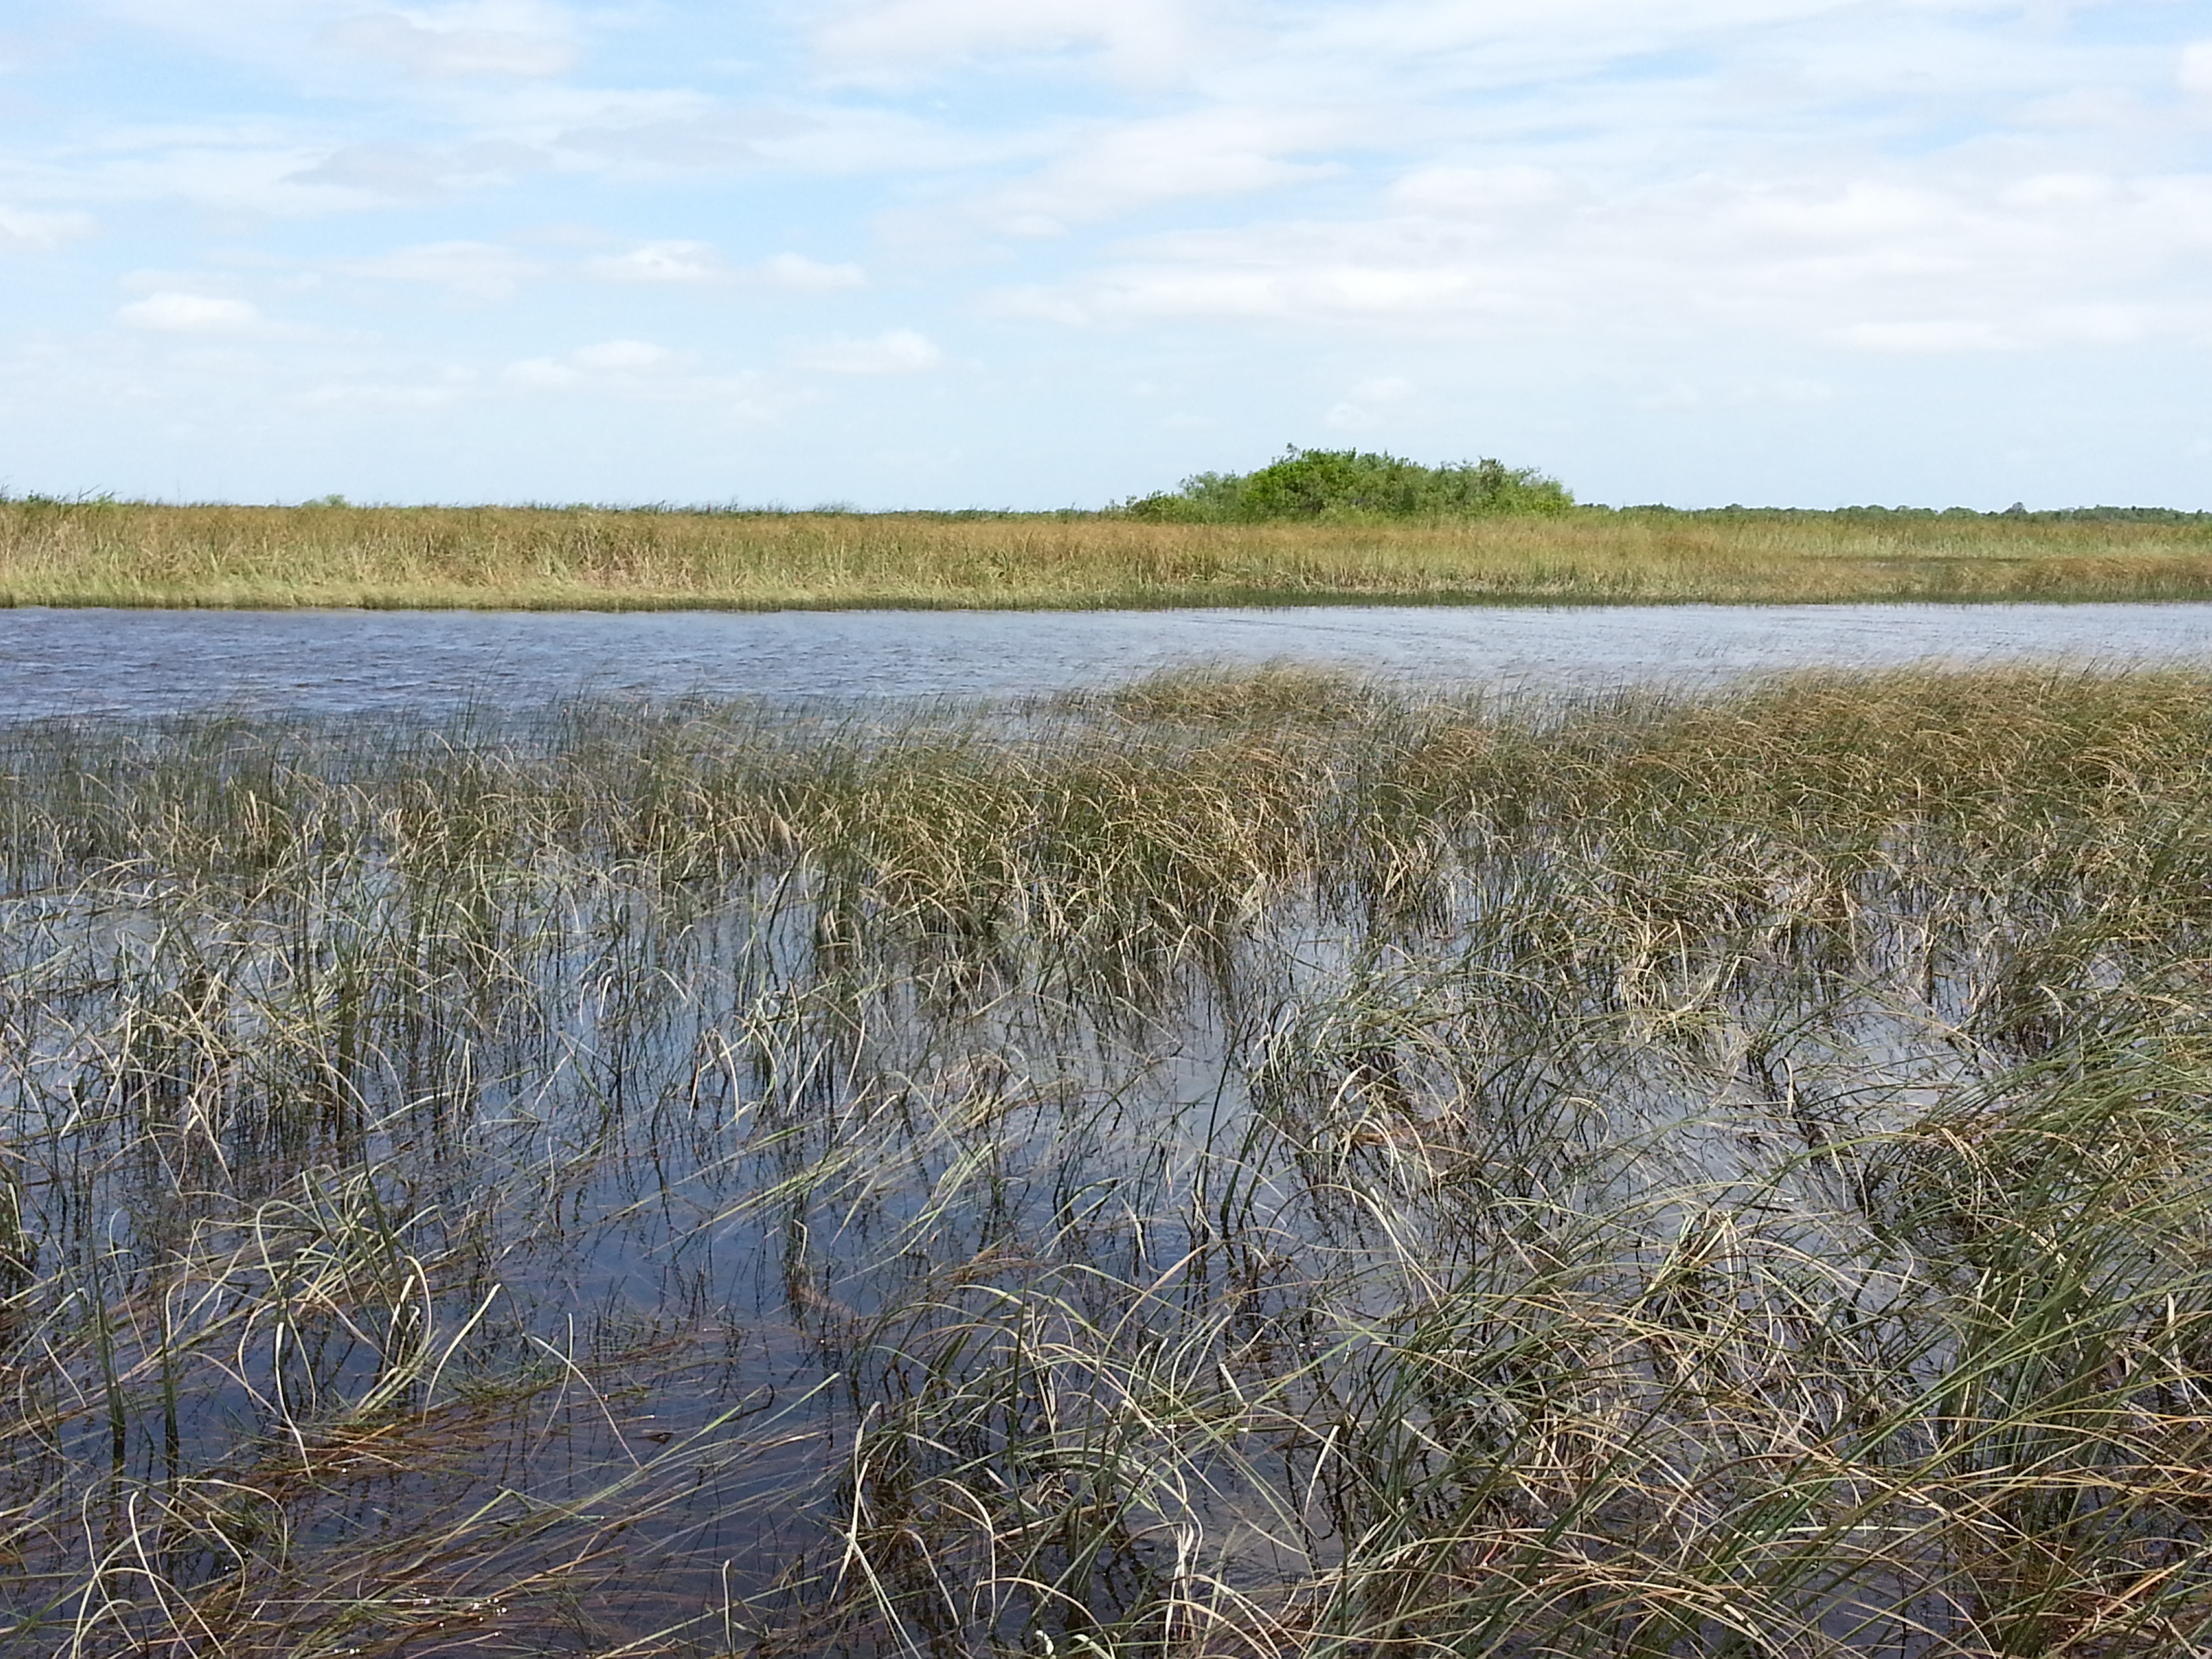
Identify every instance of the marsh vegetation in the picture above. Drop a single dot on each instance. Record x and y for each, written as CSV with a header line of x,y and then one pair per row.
x,y
114,553
1243,1164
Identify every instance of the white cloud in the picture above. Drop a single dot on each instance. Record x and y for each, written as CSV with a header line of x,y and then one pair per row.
x,y
400,171
679,263
1505,42
640,372
632,365
1941,336
896,351
1712,194
176,313
1264,285
1142,38
506,37
2074,189
1478,189
479,270
859,141
624,356
1227,151
1860,211
41,232
2196,66
543,374
801,275
659,262
1967,256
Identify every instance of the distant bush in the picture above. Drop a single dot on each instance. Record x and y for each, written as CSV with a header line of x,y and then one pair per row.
x,y
1353,484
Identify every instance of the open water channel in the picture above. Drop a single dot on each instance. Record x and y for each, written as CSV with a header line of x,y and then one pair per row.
x,y
152,662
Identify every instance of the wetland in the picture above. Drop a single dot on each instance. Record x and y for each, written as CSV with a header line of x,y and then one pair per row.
x,y
105,552
1248,1160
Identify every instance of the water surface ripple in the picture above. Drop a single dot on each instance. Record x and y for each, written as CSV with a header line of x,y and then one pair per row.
x,y
152,662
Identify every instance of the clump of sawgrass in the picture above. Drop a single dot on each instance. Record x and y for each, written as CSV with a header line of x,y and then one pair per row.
x,y
113,553
1629,1176
1220,695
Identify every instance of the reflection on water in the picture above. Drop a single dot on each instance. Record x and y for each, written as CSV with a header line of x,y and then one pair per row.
x,y
59,662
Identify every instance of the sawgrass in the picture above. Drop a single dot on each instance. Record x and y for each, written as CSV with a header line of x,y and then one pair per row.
x,y
125,554
1233,1165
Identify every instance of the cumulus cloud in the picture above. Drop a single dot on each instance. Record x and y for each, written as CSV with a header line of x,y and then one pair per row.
x,y
896,351
177,313
505,37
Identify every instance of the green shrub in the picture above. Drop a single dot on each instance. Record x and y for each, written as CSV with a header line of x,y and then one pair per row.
x,y
1354,484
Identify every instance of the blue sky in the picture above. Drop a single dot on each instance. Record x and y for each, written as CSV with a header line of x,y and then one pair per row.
x,y
1042,253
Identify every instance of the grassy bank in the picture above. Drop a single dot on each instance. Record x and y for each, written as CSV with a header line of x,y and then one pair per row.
x,y
95,553
1245,1165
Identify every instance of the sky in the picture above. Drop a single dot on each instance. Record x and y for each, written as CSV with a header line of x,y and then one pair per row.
x,y
1035,253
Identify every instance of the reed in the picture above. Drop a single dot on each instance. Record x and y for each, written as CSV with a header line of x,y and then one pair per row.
x,y
104,553
1239,1163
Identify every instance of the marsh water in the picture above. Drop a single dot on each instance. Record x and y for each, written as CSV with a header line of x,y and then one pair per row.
x,y
713,1179
153,662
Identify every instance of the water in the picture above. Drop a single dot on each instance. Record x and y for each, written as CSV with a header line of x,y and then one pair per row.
x,y
150,662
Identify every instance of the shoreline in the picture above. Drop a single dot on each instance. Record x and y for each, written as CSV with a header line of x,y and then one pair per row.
x,y
496,604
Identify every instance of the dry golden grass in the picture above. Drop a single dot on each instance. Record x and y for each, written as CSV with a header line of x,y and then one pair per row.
x,y
123,554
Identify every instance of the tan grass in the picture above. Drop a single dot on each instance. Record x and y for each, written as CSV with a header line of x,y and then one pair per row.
x,y
124,554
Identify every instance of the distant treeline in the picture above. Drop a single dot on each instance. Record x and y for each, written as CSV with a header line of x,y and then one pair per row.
x,y
1340,484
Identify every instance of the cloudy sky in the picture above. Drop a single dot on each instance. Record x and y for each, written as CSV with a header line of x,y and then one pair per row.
x,y
1037,253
